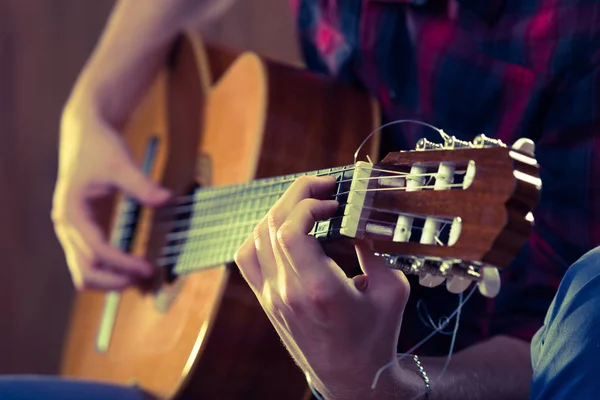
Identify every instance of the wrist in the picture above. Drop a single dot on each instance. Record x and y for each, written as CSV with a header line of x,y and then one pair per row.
x,y
91,103
96,101
394,382
81,107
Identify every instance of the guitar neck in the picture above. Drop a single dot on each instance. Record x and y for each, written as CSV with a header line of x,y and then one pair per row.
x,y
214,223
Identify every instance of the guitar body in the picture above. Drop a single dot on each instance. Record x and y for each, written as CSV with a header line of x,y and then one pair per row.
x,y
205,336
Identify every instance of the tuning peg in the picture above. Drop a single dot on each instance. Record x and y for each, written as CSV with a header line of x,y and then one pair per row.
x,y
424,144
457,284
482,141
525,145
451,142
430,281
489,285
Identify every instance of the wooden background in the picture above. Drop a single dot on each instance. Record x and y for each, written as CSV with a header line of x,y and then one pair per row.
x,y
43,45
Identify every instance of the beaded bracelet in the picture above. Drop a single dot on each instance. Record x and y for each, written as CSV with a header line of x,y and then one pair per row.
x,y
423,374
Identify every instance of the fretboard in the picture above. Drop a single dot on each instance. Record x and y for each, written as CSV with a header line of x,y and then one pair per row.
x,y
216,221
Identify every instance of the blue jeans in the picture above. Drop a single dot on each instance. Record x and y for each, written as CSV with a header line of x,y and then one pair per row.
x,y
25,387
565,352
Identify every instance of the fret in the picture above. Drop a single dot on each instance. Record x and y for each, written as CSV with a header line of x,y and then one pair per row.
x,y
222,218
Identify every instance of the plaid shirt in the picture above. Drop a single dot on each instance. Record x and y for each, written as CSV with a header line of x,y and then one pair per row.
x,y
506,68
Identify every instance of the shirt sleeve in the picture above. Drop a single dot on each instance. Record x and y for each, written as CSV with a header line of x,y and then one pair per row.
x,y
566,350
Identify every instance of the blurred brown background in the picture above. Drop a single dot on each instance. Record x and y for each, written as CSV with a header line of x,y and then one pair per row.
x,y
43,46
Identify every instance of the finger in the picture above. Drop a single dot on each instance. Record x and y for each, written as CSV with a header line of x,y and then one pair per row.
x,y
372,265
377,275
304,252
87,276
89,238
302,188
247,261
280,286
133,182
317,187
288,285
286,274
105,280
264,250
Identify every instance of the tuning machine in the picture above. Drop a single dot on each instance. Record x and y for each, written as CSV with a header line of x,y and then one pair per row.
x,y
482,141
424,144
452,142
457,274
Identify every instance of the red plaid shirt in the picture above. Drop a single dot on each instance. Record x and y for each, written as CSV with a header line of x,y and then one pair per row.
x,y
506,68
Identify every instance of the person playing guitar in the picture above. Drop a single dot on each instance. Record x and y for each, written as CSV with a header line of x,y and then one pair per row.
x,y
510,69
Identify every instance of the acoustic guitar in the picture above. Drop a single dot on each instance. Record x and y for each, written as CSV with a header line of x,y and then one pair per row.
x,y
228,133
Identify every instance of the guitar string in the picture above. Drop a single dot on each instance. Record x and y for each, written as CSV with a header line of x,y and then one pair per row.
x,y
280,193
444,136
440,131
203,217
229,227
233,191
427,320
461,303
221,258
263,183
216,192
244,224
195,231
172,257
227,214
192,240
201,197
199,200
197,219
352,167
401,356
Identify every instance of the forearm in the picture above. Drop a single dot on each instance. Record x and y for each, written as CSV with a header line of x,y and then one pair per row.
x,y
132,47
497,369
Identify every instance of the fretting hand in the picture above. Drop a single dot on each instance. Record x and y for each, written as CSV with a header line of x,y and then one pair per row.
x,y
340,331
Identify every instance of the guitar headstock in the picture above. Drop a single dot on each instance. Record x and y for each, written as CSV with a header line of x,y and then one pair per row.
x,y
455,211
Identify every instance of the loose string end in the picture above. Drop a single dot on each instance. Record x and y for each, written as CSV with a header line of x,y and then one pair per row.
x,y
443,134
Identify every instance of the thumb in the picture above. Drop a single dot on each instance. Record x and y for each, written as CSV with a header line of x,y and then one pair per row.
x,y
372,265
376,271
133,182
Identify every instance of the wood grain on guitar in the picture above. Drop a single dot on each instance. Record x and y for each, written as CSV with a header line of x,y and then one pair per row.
x,y
214,342
197,330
